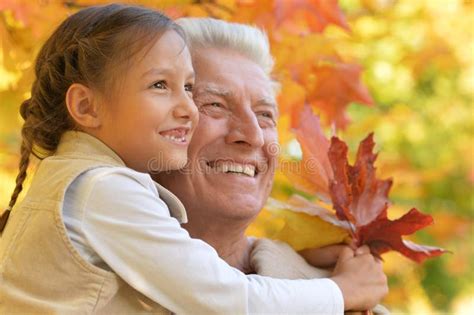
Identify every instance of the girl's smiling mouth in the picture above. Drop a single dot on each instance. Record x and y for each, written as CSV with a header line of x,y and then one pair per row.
x,y
176,135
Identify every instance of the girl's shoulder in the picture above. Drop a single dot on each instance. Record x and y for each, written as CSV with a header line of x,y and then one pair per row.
x,y
115,179
126,190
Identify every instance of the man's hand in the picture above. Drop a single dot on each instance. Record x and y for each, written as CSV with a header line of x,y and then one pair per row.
x,y
360,277
323,257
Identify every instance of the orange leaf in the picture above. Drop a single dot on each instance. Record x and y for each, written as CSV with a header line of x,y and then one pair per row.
x,y
21,10
313,173
337,85
291,100
313,15
330,85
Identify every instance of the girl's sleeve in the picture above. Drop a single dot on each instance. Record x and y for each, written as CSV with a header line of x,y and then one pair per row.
x,y
130,228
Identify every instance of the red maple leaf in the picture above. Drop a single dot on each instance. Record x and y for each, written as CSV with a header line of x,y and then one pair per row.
x,y
357,195
362,199
383,235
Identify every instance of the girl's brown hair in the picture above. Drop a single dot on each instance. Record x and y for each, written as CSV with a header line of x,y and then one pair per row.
x,y
88,47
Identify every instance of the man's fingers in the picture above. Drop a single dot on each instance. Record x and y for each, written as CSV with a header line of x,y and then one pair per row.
x,y
362,250
346,253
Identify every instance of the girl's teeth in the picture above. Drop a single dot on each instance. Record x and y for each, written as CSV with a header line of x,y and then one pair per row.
x,y
175,138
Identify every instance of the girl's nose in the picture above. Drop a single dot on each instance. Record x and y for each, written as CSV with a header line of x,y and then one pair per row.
x,y
185,109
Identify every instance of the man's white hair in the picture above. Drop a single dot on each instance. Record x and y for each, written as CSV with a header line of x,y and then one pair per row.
x,y
249,41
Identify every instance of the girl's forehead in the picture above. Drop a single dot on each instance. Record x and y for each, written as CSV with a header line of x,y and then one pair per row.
x,y
165,53
167,45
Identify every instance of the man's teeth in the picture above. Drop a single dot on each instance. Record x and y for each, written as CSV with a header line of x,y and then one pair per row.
x,y
175,138
245,169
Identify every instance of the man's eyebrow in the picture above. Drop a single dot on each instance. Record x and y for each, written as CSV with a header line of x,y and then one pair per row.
x,y
267,101
221,91
216,90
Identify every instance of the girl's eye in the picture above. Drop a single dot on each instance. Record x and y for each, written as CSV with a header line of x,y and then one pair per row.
x,y
188,87
160,85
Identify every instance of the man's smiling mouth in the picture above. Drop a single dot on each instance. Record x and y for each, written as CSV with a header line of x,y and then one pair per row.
x,y
233,167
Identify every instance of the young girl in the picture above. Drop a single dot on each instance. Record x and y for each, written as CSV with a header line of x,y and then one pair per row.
x,y
112,100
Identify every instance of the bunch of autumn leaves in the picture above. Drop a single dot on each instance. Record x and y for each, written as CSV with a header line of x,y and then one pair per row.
x,y
359,199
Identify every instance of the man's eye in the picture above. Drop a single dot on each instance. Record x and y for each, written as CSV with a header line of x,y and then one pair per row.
x,y
159,85
266,119
266,115
213,109
188,87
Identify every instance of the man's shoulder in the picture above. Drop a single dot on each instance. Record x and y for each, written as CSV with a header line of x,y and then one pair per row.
x,y
277,259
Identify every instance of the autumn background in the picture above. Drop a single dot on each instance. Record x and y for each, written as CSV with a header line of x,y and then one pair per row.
x,y
402,69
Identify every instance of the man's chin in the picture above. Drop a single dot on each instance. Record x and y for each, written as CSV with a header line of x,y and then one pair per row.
x,y
237,214
237,205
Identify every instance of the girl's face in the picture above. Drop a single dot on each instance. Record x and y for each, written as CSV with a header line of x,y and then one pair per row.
x,y
150,122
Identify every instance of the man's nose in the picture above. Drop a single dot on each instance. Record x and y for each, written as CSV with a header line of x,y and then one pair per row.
x,y
245,129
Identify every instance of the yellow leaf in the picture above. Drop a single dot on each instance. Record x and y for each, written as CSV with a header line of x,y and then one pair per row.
x,y
265,225
303,231
299,230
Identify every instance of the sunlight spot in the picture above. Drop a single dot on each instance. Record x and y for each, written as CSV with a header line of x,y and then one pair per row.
x,y
383,71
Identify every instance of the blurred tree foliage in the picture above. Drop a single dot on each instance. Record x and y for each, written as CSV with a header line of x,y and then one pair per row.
x,y
416,59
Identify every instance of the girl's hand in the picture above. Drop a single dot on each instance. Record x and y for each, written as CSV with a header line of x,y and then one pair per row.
x,y
360,277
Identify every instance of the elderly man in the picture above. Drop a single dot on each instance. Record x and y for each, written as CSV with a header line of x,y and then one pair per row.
x,y
232,161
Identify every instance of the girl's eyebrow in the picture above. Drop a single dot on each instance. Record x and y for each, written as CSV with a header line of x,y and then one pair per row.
x,y
158,71
154,71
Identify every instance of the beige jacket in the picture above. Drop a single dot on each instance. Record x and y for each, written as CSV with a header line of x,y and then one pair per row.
x,y
40,270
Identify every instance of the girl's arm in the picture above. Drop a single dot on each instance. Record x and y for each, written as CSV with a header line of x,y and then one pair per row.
x,y
126,223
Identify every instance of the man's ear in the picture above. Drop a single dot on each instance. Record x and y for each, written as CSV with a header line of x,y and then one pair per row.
x,y
83,106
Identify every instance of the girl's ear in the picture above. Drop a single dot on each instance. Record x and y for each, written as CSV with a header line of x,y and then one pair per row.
x,y
83,106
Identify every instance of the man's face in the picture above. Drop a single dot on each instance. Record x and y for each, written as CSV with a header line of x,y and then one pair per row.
x,y
233,153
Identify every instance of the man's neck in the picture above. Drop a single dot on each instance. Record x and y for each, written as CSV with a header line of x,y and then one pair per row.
x,y
227,237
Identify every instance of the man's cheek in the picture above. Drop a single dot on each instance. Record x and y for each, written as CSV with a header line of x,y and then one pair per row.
x,y
272,148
